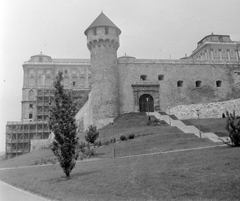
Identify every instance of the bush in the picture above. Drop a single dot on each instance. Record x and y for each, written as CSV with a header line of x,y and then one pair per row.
x,y
98,144
106,142
233,127
131,136
91,134
113,140
123,138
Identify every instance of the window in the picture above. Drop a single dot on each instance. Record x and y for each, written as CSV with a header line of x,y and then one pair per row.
x,y
198,83
31,71
48,72
48,82
30,116
39,81
106,30
82,81
31,81
66,71
31,95
66,81
74,83
232,53
224,52
215,51
218,83
94,31
143,77
30,105
160,77
179,83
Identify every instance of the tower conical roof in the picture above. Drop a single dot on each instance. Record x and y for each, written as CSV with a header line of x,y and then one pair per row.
x,y
102,20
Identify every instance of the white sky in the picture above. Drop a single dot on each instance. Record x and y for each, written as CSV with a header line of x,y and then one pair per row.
x,y
151,29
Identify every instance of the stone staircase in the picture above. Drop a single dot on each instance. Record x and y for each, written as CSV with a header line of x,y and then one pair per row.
x,y
186,129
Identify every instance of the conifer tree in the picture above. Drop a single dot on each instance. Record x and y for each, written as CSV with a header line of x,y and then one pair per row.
x,y
63,125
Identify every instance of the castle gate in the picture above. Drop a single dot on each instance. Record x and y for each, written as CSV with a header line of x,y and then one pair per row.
x,y
146,103
146,96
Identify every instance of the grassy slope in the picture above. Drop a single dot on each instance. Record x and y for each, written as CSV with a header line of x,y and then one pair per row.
x,y
209,125
210,174
155,139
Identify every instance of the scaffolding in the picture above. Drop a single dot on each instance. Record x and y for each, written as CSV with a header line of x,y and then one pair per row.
x,y
19,134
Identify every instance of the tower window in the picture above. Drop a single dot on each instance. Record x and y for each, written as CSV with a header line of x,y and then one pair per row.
x,y
198,83
160,77
94,31
30,116
143,77
106,30
179,83
30,105
218,83
74,83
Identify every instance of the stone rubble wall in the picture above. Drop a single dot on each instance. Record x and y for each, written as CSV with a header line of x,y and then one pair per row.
x,y
206,110
37,144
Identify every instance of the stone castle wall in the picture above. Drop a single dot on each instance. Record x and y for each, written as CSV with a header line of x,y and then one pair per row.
x,y
189,72
206,110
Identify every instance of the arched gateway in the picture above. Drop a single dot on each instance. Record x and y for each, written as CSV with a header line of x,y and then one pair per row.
x,y
146,103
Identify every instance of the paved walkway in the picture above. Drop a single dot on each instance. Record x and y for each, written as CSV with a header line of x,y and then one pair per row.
x,y
11,193
187,129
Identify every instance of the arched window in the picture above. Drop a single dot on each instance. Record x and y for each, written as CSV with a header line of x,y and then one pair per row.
x,y
179,83
30,116
74,82
218,83
31,95
198,83
160,77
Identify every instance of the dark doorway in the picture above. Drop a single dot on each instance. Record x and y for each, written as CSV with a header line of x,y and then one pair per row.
x,y
146,103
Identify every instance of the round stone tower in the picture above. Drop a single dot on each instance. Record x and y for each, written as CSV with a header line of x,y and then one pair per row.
x,y
103,42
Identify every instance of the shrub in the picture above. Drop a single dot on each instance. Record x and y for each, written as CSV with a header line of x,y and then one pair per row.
x,y
113,140
123,138
106,142
131,136
91,134
98,144
233,127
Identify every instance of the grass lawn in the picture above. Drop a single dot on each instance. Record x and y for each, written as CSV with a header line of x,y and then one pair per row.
x,y
209,125
208,174
151,142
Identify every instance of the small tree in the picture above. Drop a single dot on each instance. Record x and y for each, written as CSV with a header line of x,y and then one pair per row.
x,y
233,127
63,125
91,134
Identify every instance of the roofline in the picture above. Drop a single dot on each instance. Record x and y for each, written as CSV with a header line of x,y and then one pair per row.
x,y
212,35
85,32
